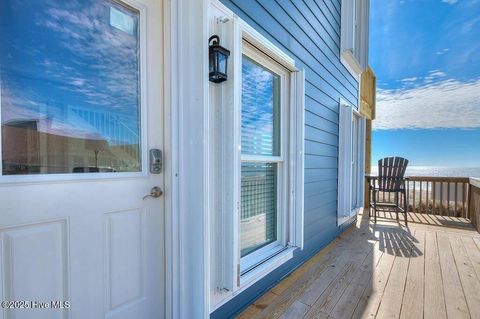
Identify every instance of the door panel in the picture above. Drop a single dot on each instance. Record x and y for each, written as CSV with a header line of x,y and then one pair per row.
x,y
75,91
24,246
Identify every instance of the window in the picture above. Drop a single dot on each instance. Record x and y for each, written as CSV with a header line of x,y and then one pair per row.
x,y
351,162
265,86
354,35
69,83
256,163
270,195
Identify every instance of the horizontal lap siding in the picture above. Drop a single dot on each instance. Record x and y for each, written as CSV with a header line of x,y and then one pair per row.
x,y
309,32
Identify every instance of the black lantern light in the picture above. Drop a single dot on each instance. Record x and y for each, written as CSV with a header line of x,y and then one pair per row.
x,y
218,57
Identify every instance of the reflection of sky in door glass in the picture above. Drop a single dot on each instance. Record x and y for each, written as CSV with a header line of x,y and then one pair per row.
x,y
260,109
71,69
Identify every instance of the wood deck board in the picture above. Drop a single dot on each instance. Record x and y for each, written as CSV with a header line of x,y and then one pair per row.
x,y
297,310
412,304
434,299
468,277
474,254
329,299
454,297
352,294
350,243
429,270
371,296
391,302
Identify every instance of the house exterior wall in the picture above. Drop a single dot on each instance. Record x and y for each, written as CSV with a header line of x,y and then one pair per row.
x,y
310,33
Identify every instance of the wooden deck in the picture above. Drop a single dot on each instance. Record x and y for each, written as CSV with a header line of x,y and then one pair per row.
x,y
430,270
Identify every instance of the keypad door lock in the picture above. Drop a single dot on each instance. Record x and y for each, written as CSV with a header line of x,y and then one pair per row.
x,y
156,161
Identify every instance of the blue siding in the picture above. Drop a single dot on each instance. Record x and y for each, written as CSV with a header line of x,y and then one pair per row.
x,y
309,31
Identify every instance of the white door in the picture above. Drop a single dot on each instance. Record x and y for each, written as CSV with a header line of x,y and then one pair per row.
x,y
81,106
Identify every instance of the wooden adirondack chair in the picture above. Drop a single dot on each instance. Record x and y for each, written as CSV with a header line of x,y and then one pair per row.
x,y
390,179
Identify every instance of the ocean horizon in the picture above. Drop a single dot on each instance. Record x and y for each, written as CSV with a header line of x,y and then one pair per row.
x,y
438,171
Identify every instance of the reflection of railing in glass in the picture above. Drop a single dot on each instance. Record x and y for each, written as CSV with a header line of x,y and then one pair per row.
x,y
112,128
27,150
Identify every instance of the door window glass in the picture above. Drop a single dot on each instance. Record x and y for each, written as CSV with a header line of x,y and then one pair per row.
x,y
70,87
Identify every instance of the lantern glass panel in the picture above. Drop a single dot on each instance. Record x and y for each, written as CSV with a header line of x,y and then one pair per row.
x,y
222,63
211,61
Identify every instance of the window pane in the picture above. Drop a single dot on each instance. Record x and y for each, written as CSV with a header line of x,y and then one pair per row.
x,y
260,110
69,81
258,219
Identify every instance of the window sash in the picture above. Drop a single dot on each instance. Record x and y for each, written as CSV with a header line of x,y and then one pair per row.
x,y
261,254
256,257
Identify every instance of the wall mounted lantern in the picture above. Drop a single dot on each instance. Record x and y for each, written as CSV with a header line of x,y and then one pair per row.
x,y
218,57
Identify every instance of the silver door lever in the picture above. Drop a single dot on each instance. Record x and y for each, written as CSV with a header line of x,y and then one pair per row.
x,y
154,193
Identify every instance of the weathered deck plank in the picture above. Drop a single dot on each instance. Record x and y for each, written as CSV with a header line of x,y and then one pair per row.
x,y
434,303
327,301
452,288
351,297
384,271
474,254
372,295
392,297
412,303
468,278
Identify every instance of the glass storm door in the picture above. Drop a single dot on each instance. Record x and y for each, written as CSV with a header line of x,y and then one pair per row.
x,y
74,95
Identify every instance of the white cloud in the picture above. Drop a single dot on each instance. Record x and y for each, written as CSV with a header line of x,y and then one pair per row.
x,y
408,80
112,57
450,1
445,104
470,24
436,74
442,51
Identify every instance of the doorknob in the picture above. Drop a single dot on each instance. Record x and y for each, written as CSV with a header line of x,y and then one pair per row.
x,y
154,193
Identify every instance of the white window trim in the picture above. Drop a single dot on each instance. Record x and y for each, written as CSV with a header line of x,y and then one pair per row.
x,y
345,209
354,27
282,160
233,33
257,47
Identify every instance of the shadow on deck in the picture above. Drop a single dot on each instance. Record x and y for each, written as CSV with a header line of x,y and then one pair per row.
x,y
429,270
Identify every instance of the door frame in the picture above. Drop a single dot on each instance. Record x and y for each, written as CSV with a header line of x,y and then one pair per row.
x,y
187,156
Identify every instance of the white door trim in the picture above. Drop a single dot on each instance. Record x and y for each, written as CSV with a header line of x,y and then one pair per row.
x,y
187,156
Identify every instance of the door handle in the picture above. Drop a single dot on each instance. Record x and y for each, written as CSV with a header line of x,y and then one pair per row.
x,y
155,192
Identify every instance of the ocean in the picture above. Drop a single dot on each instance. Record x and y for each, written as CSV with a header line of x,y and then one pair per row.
x,y
438,171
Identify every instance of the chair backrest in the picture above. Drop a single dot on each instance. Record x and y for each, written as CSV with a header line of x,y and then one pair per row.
x,y
391,171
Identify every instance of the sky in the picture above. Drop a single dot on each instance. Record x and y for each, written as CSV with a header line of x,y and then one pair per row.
x,y
426,56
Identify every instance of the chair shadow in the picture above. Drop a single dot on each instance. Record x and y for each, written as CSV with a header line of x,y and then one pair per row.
x,y
394,238
399,242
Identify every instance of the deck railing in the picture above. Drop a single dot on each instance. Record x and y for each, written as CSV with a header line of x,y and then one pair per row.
x,y
446,196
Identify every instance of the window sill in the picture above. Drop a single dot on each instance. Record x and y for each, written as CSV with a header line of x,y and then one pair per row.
x,y
349,60
349,219
257,274
266,267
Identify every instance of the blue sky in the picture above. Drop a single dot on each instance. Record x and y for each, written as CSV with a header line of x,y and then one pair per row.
x,y
426,55
62,59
